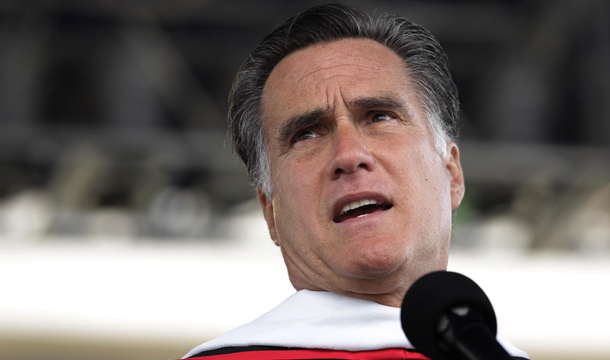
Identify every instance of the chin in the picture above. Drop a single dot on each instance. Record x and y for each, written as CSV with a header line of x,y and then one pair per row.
x,y
371,265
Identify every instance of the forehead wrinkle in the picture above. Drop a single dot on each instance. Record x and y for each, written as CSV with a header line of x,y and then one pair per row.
x,y
337,66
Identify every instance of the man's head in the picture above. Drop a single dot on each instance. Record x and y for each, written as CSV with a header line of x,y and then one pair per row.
x,y
425,62
332,111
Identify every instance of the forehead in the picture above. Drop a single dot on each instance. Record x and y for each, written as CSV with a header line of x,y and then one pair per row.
x,y
320,75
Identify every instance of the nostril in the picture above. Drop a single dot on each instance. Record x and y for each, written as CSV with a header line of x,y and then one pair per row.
x,y
339,171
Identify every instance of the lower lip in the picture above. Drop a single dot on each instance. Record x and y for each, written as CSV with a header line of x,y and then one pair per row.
x,y
366,217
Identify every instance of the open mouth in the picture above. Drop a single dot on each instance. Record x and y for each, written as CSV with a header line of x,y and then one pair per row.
x,y
360,208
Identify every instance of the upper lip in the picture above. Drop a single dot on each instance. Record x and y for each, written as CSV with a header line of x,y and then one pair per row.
x,y
341,202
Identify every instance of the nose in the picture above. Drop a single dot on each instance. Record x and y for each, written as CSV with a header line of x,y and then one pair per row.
x,y
350,152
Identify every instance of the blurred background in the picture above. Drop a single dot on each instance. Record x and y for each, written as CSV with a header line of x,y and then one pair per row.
x,y
128,230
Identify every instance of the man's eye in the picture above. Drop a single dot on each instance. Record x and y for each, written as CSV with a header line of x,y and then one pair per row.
x,y
379,116
305,135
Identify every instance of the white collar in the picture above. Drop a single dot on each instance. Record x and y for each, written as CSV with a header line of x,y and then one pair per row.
x,y
324,320
321,320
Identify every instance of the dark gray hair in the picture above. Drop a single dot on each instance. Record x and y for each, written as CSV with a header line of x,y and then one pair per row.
x,y
426,64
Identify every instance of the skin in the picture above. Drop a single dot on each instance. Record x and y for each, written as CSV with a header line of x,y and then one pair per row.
x,y
344,123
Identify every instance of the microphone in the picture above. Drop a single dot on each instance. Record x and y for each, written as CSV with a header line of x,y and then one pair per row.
x,y
446,316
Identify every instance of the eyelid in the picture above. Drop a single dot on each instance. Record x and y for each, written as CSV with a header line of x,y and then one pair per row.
x,y
390,114
310,129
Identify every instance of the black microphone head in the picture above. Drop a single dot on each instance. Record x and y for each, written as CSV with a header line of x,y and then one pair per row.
x,y
433,296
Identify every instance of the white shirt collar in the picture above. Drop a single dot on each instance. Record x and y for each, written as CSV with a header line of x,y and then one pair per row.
x,y
324,320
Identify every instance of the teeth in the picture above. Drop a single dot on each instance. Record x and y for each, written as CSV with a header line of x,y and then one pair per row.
x,y
357,204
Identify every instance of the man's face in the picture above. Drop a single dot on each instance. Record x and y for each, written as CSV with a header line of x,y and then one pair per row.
x,y
346,130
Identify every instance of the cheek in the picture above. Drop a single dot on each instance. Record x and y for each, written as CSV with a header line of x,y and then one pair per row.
x,y
301,173
422,180
294,182
295,195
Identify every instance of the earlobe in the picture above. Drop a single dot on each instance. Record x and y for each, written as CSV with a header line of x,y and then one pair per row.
x,y
454,169
267,206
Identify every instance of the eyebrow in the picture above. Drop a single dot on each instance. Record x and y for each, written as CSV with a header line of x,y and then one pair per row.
x,y
385,101
301,121
312,117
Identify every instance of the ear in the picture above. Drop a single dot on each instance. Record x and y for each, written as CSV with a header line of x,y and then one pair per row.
x,y
267,206
456,176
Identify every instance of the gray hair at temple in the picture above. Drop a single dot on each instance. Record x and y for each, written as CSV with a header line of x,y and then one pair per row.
x,y
426,66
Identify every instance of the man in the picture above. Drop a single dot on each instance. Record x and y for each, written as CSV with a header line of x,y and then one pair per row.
x,y
346,125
